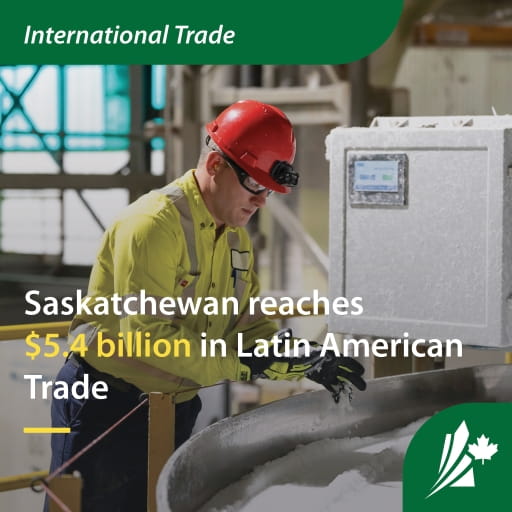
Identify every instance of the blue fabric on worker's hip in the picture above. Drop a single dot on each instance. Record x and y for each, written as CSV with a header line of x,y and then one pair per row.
x,y
114,471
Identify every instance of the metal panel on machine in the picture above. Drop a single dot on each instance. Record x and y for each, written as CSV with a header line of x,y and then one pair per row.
x,y
420,228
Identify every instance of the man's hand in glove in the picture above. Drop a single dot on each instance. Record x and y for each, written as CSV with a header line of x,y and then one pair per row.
x,y
330,371
334,373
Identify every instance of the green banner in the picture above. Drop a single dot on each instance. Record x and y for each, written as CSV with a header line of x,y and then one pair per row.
x,y
163,32
460,460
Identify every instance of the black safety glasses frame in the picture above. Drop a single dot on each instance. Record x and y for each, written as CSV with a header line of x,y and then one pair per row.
x,y
245,179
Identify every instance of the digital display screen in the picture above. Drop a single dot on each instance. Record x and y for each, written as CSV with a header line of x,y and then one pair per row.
x,y
376,176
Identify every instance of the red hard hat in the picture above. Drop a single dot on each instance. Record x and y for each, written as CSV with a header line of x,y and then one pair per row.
x,y
259,139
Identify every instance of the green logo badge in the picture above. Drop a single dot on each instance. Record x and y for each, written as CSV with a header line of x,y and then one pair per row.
x,y
459,460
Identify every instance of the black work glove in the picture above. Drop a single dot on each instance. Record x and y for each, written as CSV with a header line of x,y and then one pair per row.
x,y
337,373
334,373
281,367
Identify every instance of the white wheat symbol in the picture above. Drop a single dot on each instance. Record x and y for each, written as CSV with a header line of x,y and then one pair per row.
x,y
451,472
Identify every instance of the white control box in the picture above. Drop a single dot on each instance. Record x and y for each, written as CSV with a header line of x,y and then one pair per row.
x,y
421,228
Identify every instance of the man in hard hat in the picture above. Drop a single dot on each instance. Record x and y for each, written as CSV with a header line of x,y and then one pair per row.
x,y
185,241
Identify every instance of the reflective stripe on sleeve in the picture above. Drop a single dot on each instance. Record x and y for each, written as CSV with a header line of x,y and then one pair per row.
x,y
178,198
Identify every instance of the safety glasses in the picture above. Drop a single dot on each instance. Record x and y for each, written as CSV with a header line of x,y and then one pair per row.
x,y
248,182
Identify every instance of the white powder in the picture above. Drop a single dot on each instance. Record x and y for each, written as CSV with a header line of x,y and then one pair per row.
x,y
325,476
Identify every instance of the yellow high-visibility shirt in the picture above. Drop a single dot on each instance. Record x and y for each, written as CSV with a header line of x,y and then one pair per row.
x,y
164,246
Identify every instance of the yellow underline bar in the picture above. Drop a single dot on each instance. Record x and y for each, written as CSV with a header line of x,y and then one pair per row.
x,y
46,430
